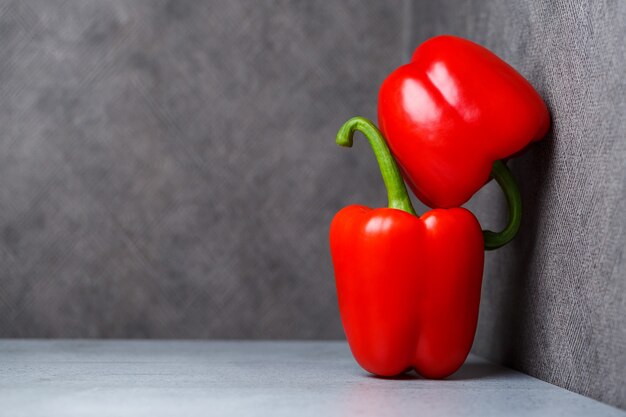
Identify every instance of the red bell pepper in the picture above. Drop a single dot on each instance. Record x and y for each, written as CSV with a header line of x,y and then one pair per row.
x,y
408,286
453,111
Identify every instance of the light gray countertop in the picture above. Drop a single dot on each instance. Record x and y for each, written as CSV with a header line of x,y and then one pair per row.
x,y
212,378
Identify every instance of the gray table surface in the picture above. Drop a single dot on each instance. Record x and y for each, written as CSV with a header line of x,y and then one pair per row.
x,y
189,378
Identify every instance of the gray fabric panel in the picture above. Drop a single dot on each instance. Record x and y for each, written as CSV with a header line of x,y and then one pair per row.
x,y
169,168
554,301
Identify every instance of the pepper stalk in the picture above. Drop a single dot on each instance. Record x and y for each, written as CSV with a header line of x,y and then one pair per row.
x,y
398,196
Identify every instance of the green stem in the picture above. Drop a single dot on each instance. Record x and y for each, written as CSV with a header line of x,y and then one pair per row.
x,y
396,190
507,182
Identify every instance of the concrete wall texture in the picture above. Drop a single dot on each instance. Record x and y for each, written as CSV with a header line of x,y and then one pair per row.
x,y
169,170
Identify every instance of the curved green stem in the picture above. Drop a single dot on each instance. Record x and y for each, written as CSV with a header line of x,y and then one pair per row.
x,y
507,182
396,190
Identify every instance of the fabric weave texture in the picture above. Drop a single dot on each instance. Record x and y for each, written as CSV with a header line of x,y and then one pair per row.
x,y
554,300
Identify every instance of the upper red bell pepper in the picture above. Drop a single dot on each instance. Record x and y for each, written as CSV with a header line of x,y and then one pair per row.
x,y
408,286
453,111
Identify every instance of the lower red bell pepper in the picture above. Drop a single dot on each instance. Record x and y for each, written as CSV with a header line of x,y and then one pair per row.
x,y
408,286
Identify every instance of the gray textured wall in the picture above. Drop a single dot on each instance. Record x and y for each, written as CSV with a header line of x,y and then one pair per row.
x,y
169,171
169,168
554,301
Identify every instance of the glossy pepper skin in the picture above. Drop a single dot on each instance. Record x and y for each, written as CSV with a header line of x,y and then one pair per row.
x,y
453,111
408,286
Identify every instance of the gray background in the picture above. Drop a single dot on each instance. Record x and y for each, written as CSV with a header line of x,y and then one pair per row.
x,y
169,171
